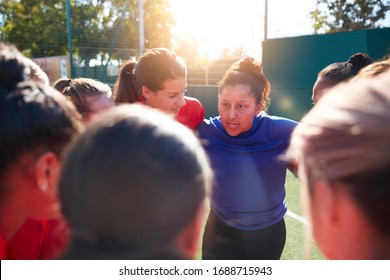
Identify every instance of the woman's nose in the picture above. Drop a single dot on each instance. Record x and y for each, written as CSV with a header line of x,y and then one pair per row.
x,y
232,113
181,101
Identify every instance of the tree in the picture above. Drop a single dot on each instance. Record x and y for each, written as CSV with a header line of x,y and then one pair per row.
x,y
348,15
125,28
90,20
158,21
38,27
29,25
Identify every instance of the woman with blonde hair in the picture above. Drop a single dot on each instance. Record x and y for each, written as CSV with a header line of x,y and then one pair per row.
x,y
342,149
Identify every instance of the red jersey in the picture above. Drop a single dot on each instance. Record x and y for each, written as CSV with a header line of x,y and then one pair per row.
x,y
3,247
37,240
191,114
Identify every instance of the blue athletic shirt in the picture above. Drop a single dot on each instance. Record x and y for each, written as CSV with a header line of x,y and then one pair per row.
x,y
249,190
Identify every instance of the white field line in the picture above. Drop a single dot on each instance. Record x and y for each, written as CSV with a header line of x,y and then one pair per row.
x,y
297,217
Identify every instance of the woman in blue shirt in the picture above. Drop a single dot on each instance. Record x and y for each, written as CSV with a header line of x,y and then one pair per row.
x,y
243,144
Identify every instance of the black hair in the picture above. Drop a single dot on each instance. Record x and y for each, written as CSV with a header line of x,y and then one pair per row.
x,y
33,118
13,68
342,71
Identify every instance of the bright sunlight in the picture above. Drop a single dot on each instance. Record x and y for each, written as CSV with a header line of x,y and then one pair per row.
x,y
238,24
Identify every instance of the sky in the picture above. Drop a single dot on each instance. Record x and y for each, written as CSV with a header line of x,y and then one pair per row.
x,y
240,23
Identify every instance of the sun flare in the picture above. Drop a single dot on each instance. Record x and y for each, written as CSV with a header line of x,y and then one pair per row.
x,y
235,24
220,24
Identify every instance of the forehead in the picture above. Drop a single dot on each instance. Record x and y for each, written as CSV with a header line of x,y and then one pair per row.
x,y
238,91
174,85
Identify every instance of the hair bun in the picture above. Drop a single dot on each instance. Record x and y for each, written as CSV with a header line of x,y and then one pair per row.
x,y
250,65
360,60
13,69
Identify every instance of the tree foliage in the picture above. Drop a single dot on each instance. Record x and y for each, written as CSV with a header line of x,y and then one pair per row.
x,y
158,21
348,15
30,24
39,27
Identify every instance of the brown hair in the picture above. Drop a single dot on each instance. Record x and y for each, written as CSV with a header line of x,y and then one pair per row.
x,y
79,89
126,89
152,69
248,71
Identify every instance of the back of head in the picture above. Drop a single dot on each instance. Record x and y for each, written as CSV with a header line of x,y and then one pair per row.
x,y
345,138
341,71
158,65
248,71
33,118
81,90
130,183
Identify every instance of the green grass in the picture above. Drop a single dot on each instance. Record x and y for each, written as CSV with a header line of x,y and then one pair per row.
x,y
298,244
297,238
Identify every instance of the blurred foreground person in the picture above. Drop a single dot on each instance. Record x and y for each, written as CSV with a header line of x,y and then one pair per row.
x,y
36,123
342,148
372,70
133,186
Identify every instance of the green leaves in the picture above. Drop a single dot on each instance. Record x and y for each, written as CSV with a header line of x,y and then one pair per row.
x,y
38,27
348,15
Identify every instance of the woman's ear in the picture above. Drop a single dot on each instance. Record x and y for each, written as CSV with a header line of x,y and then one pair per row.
x,y
146,92
47,171
47,168
258,109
